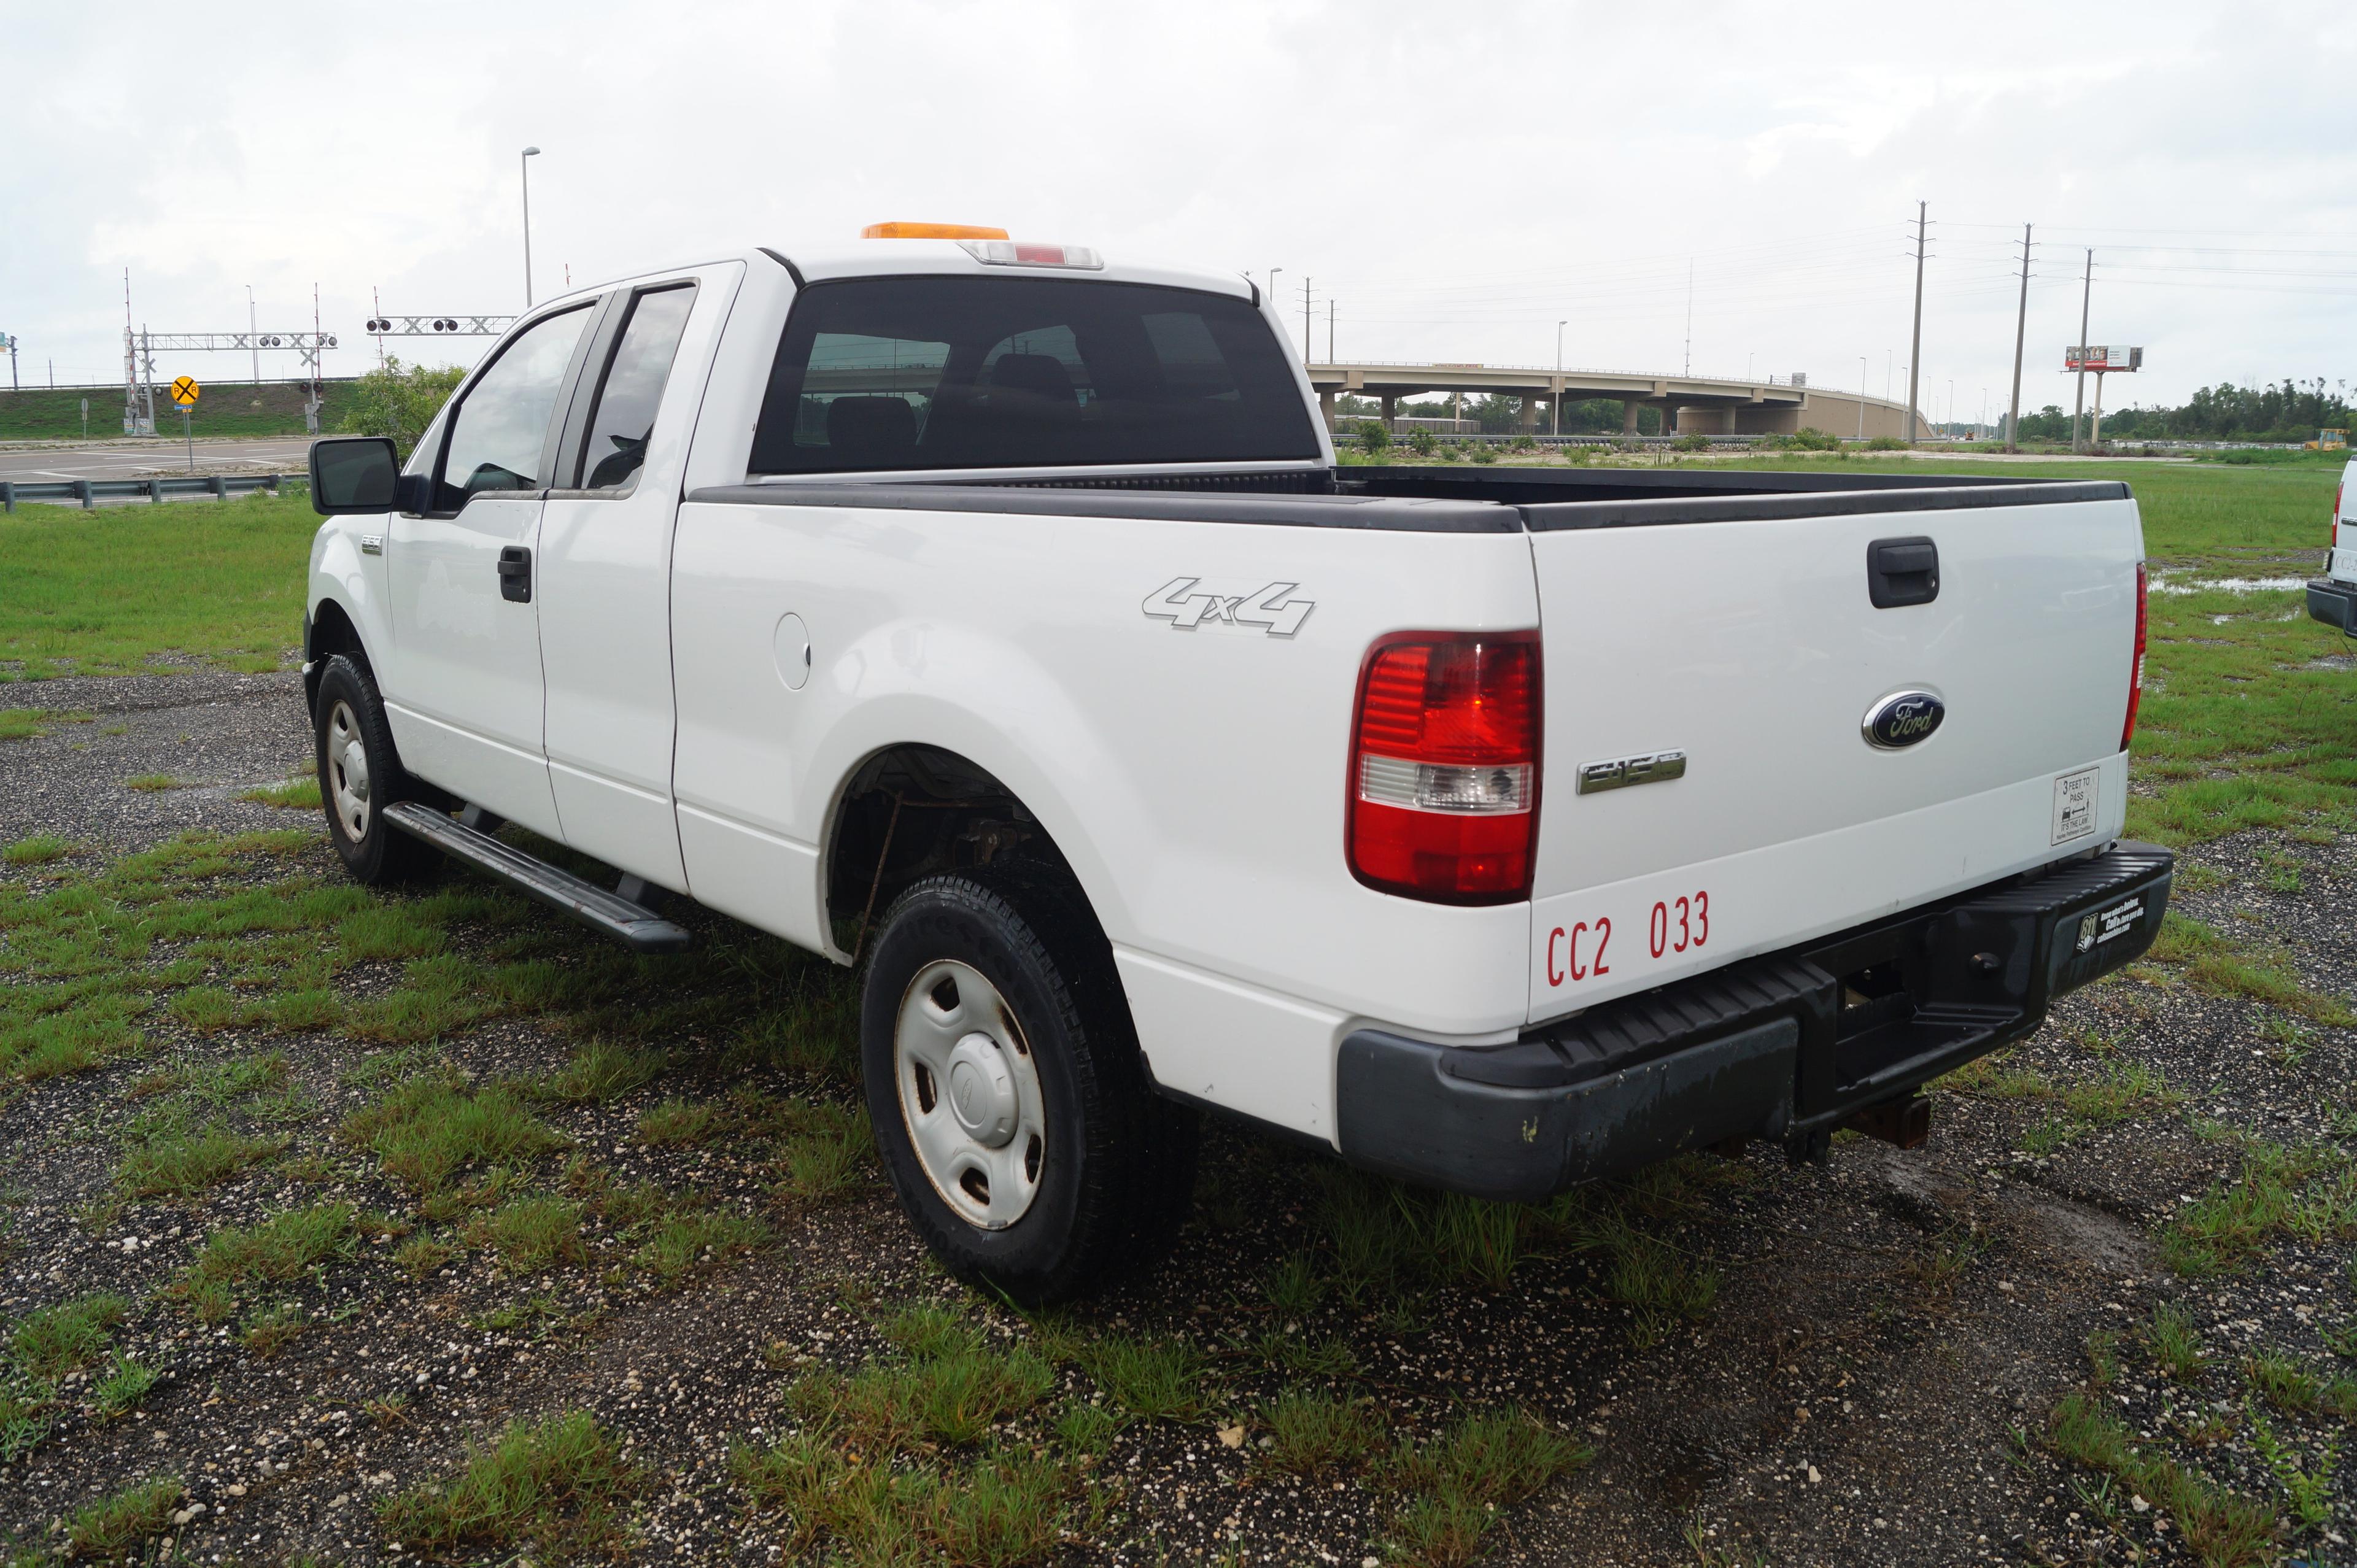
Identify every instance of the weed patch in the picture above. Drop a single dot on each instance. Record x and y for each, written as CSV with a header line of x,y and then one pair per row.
x,y
557,1484
125,1521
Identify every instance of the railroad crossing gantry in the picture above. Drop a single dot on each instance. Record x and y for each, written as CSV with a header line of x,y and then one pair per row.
x,y
140,349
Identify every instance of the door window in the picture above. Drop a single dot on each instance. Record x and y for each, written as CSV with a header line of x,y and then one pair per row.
x,y
627,402
499,436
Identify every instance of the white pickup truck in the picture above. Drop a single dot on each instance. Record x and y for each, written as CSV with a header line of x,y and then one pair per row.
x,y
996,614
2333,599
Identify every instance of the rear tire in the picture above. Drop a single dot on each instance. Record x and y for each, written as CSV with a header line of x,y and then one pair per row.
x,y
1007,1093
360,775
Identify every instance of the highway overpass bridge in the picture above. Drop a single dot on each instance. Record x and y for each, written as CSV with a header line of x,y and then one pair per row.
x,y
1689,405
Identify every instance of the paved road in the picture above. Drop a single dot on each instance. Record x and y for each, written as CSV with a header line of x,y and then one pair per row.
x,y
285,455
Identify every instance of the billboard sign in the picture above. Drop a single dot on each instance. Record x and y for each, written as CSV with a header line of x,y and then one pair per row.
x,y
2100,359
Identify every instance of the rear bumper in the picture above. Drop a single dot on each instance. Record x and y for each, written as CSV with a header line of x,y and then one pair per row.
x,y
2334,603
1787,1044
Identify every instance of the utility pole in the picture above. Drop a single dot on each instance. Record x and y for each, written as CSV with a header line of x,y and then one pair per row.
x,y
1689,371
2021,326
1329,332
253,334
1555,399
2086,298
1306,339
1861,397
1915,353
524,164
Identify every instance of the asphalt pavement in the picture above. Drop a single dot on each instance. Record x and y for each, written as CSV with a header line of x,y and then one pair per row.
x,y
146,460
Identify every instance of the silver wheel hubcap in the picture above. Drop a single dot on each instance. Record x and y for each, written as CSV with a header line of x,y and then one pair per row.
x,y
970,1094
347,774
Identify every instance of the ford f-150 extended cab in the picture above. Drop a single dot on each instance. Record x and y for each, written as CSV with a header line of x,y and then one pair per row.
x,y
996,615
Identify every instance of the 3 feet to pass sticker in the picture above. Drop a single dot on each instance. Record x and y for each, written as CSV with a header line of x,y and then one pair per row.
x,y
2075,805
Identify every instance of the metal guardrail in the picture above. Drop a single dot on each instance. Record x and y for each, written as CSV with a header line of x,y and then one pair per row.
x,y
89,492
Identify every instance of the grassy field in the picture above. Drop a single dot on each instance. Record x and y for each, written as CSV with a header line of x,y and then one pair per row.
x,y
227,408
111,591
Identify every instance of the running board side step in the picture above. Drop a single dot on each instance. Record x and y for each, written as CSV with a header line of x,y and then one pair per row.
x,y
633,925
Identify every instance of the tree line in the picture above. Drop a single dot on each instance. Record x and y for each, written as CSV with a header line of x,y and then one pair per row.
x,y
2286,411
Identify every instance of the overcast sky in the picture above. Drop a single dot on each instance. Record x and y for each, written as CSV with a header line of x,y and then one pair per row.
x,y
1455,179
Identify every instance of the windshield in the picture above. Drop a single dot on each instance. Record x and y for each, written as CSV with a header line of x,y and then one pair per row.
x,y
1001,373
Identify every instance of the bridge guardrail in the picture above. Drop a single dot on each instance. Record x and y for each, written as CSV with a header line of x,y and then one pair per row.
x,y
89,492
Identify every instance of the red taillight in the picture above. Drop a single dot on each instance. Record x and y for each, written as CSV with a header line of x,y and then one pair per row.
x,y
1444,767
2135,671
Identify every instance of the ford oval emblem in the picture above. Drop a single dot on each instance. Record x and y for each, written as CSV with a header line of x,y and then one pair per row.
x,y
1903,719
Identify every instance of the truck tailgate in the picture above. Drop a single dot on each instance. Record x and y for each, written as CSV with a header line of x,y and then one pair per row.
x,y
1750,645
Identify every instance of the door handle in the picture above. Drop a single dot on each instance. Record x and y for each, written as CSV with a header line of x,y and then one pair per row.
x,y
515,575
1902,572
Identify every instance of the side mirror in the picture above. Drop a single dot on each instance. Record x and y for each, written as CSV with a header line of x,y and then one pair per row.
x,y
354,473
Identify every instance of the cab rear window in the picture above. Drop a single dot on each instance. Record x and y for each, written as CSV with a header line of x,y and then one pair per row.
x,y
949,373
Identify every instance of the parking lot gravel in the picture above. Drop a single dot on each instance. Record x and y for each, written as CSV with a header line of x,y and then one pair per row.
x,y
1872,1361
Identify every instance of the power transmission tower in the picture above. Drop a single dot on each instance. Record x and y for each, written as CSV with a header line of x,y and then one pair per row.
x,y
2086,297
1915,353
2021,326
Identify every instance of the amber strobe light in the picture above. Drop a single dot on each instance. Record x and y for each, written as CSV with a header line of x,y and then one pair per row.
x,y
930,232
1444,767
2135,669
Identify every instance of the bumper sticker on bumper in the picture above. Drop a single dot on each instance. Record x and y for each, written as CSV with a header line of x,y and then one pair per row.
x,y
2104,925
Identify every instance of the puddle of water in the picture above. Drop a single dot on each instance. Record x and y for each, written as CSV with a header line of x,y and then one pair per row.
x,y
2227,586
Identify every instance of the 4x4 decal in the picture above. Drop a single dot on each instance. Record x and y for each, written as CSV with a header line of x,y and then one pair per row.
x,y
1186,606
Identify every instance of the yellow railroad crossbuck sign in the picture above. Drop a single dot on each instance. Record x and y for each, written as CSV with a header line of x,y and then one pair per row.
x,y
185,391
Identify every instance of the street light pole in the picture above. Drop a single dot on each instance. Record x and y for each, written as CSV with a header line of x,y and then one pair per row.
x,y
1861,397
252,336
524,164
1555,399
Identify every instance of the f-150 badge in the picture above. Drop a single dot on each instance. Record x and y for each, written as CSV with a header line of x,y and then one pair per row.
x,y
1186,604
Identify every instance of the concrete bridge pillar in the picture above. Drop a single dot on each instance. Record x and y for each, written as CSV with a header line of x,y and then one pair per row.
x,y
1670,418
1530,413
1326,407
1628,417
1391,405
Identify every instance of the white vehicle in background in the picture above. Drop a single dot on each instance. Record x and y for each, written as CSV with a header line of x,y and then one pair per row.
x,y
2333,599
996,614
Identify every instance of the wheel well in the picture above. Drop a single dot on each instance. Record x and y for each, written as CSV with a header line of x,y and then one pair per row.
x,y
331,631
911,811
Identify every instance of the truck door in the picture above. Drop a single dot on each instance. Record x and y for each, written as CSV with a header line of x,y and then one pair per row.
x,y
465,685
465,695
605,571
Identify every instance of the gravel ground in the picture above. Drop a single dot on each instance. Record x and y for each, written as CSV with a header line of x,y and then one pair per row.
x,y
1872,1383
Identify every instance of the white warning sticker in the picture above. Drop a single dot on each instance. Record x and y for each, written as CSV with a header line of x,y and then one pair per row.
x,y
2075,805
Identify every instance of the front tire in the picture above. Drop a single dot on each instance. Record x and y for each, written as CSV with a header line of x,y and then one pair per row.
x,y
360,775
1007,1093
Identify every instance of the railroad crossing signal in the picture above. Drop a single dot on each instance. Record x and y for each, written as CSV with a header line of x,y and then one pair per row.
x,y
428,326
185,391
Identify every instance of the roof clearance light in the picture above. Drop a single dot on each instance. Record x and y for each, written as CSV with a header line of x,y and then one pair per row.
x,y
1024,253
930,232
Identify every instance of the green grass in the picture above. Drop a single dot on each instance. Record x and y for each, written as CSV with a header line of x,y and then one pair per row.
x,y
901,1461
1455,1485
559,1484
67,1338
123,1522
2224,1528
107,592
228,408
682,1245
1316,1434
2309,1192
432,1129
281,1247
532,1234
2175,1341
2211,961
32,724
40,850
296,795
